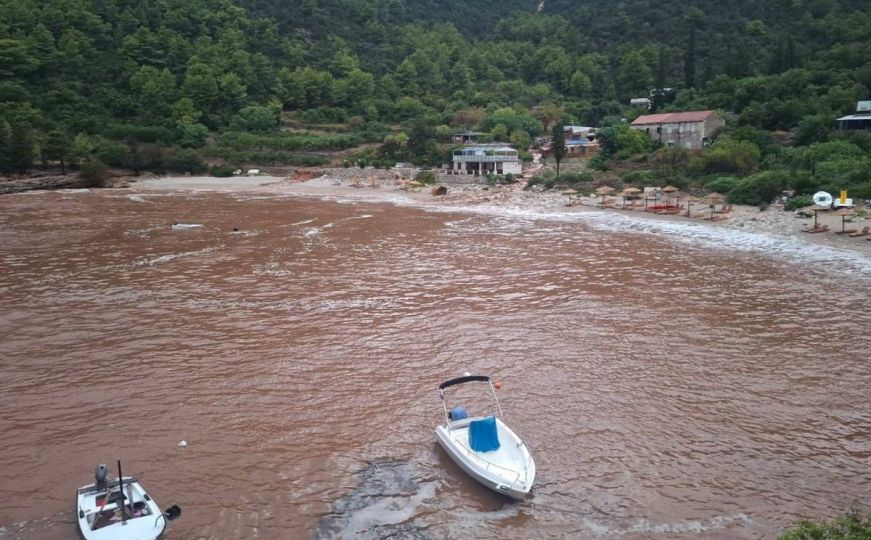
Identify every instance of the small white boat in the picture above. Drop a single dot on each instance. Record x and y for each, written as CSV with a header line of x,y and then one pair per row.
x,y
484,447
119,509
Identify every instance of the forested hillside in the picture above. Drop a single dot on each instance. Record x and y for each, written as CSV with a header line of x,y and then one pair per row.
x,y
163,84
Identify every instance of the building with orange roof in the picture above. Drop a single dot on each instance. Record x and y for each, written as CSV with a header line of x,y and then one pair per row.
x,y
692,130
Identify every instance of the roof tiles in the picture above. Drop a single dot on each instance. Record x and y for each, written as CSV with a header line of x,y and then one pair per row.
x,y
673,118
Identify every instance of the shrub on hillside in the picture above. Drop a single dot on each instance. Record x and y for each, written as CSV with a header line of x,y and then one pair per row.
x,y
576,177
644,178
256,118
758,189
184,160
112,153
801,201
723,184
223,170
426,178
730,156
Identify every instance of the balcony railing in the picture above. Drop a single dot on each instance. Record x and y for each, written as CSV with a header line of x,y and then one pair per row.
x,y
485,159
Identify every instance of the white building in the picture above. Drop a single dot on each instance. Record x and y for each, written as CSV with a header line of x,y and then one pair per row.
x,y
861,121
486,159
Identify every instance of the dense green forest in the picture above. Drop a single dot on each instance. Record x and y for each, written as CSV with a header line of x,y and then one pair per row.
x,y
166,84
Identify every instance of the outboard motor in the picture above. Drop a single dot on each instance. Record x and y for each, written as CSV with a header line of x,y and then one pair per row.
x,y
101,475
172,512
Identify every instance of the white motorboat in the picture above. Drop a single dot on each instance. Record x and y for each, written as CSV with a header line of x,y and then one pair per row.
x,y
119,509
484,447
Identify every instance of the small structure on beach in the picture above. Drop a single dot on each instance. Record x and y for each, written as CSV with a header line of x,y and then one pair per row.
x,y
603,191
569,193
712,200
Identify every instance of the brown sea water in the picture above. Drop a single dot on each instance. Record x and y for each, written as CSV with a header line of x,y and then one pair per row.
x,y
669,383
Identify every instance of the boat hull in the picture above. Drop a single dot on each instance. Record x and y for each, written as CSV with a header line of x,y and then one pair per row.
x,y
475,466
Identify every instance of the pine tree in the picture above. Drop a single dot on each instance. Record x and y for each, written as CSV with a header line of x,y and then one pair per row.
x,y
558,144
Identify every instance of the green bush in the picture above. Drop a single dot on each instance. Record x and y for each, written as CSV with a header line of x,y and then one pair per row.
x,y
184,160
731,156
853,526
644,178
723,184
426,178
599,162
142,134
288,141
575,177
191,134
112,153
255,118
758,189
861,191
223,170
93,174
146,157
801,201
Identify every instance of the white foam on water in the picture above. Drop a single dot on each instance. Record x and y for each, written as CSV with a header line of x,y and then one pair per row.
x,y
152,261
144,232
303,222
781,248
186,225
644,526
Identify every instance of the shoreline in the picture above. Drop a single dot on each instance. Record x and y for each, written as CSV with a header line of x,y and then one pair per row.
x,y
773,222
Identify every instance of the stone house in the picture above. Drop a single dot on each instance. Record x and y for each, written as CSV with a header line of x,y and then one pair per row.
x,y
693,130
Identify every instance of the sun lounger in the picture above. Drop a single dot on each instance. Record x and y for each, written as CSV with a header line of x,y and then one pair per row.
x,y
846,231
864,232
819,229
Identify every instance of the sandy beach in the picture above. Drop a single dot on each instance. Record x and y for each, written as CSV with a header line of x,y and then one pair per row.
x,y
391,186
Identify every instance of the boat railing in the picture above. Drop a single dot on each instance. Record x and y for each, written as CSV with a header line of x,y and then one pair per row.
x,y
488,464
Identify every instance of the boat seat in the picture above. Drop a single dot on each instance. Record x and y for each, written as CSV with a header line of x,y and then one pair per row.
x,y
483,436
458,413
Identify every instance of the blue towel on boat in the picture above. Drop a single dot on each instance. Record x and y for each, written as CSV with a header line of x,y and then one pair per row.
x,y
483,436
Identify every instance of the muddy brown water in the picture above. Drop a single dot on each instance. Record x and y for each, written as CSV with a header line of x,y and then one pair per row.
x,y
666,389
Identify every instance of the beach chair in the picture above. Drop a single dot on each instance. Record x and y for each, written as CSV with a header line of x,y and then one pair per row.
x,y
864,232
846,231
818,229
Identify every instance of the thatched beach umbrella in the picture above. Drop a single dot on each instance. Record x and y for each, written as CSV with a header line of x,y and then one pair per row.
x,y
816,209
603,190
668,190
571,193
648,195
690,200
713,199
844,212
629,193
